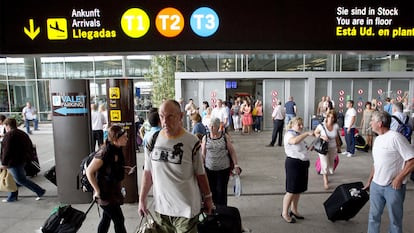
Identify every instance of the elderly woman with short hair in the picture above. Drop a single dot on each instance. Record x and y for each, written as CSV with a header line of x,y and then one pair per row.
x,y
296,168
217,150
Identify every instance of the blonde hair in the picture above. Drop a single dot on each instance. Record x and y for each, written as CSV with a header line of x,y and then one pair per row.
x,y
295,120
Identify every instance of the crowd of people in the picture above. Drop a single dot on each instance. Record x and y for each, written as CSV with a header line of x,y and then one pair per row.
x,y
244,115
189,152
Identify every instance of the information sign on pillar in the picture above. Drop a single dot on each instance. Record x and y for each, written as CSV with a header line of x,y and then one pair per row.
x,y
71,135
121,112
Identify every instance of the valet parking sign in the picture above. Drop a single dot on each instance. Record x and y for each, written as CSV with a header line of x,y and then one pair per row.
x,y
69,104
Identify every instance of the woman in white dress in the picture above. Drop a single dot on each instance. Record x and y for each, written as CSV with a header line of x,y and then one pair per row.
x,y
329,131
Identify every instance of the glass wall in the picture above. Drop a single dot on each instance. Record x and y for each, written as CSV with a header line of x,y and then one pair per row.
x,y
27,78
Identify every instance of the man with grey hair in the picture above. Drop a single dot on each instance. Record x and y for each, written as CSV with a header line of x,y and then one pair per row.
x,y
174,169
220,112
393,160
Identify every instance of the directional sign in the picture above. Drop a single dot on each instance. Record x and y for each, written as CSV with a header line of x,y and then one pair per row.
x,y
69,104
32,32
209,25
71,111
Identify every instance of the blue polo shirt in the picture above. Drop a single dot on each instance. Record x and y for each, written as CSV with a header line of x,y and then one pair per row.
x,y
290,107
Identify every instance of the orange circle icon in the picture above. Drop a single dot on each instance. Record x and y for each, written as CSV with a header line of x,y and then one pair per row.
x,y
169,22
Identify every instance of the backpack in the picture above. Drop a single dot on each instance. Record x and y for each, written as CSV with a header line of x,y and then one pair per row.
x,y
83,182
404,128
150,146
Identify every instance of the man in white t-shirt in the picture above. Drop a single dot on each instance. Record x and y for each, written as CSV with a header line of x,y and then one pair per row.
x,y
98,121
174,168
349,129
221,113
393,161
30,114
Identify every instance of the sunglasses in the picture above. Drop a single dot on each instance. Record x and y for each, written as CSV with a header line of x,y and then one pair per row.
x,y
120,133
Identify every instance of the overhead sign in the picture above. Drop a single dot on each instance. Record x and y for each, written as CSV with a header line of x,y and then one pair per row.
x,y
78,26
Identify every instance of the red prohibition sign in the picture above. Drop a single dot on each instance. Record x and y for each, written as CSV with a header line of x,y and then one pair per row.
x,y
341,98
341,92
213,100
359,110
213,94
274,93
399,92
341,105
380,91
360,103
360,91
399,98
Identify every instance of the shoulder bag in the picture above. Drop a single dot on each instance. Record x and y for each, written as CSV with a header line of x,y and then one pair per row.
x,y
321,146
7,183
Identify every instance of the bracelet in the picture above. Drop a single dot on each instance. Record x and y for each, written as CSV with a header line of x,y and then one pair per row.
x,y
208,195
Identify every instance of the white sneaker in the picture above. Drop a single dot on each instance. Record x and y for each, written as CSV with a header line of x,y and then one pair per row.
x,y
349,155
345,153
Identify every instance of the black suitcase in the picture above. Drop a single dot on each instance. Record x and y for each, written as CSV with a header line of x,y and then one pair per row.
x,y
65,219
32,167
225,219
346,201
51,175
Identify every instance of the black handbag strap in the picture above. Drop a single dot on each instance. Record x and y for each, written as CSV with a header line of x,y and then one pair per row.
x,y
323,127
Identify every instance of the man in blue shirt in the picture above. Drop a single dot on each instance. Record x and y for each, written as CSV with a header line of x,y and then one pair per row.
x,y
290,110
388,106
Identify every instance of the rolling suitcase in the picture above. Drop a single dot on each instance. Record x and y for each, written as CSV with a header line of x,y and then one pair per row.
x,y
225,219
51,175
346,201
65,219
32,167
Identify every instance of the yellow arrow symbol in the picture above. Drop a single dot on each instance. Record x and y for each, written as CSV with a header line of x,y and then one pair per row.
x,y
32,33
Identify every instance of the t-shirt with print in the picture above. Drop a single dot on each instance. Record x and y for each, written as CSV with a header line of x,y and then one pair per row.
x,y
174,164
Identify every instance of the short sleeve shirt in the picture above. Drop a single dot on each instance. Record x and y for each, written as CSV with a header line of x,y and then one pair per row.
x,y
296,151
174,164
351,112
290,107
390,152
330,134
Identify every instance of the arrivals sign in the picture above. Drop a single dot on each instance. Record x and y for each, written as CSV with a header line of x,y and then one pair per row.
x,y
80,26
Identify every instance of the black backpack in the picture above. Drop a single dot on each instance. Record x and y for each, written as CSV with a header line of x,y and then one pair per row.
x,y
150,146
83,182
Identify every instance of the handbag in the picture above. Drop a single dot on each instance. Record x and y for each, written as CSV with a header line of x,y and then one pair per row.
x,y
147,225
7,183
321,146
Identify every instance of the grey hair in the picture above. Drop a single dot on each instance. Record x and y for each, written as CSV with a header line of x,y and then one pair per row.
x,y
215,122
382,116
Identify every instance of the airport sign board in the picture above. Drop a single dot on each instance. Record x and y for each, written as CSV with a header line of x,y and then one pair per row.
x,y
91,26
